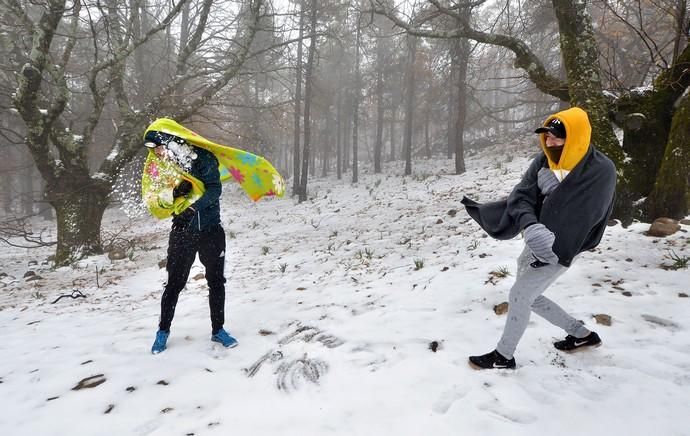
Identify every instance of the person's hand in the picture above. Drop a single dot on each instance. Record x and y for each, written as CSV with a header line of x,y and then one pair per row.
x,y
165,198
183,220
540,241
547,181
184,188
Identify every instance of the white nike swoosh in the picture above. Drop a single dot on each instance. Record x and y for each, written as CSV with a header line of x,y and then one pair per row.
x,y
500,366
577,344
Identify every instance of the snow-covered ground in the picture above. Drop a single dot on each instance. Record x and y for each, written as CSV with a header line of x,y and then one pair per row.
x,y
335,303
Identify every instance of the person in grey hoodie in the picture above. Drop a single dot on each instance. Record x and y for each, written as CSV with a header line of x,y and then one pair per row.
x,y
562,206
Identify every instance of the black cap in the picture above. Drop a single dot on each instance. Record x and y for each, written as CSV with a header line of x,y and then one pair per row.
x,y
555,126
154,138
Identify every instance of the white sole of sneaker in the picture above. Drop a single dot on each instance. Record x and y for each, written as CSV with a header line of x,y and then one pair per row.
x,y
229,346
581,348
478,368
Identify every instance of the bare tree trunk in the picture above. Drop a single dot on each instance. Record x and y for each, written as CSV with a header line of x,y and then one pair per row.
x,y
347,133
328,138
452,100
308,83
298,95
355,110
9,160
409,101
285,157
27,184
462,56
312,162
339,132
427,133
378,145
392,133
6,199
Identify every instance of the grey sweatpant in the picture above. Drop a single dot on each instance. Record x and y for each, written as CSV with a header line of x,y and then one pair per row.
x,y
525,297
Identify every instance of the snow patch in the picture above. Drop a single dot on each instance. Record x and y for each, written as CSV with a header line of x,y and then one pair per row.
x,y
101,176
181,153
335,320
642,89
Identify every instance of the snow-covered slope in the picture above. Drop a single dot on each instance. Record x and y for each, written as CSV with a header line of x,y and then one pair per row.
x,y
336,303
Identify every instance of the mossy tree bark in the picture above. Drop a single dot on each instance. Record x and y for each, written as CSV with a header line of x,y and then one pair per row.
x,y
647,117
79,208
669,198
581,60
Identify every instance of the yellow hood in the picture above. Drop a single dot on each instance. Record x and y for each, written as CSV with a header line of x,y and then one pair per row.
x,y
578,133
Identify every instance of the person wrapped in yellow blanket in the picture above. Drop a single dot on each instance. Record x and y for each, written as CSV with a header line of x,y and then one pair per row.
x,y
182,178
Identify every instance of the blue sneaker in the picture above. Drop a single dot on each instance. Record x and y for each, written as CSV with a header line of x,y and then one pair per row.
x,y
224,338
159,344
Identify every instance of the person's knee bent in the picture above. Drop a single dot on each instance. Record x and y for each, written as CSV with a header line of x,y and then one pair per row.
x,y
539,302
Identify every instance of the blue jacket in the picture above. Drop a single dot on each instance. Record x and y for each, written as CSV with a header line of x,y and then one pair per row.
x,y
205,168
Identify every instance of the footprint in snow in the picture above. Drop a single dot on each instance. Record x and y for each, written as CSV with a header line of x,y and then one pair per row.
x,y
447,398
662,322
508,414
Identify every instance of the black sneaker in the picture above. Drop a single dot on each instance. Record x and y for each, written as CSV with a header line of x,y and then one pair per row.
x,y
571,343
491,360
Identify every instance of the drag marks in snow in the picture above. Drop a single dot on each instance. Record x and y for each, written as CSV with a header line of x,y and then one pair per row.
x,y
290,361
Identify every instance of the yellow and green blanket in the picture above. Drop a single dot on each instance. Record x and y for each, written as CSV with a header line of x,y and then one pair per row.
x,y
256,175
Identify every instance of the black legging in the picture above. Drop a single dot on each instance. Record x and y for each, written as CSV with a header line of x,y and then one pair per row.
x,y
182,249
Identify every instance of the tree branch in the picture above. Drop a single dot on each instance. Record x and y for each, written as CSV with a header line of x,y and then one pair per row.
x,y
125,51
524,58
255,8
128,144
21,228
27,95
